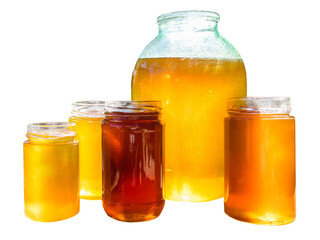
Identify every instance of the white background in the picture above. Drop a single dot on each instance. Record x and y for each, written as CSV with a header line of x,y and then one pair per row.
x,y
55,52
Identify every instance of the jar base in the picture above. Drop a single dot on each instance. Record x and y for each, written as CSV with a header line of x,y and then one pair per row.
x,y
34,213
134,212
261,220
187,199
192,190
89,196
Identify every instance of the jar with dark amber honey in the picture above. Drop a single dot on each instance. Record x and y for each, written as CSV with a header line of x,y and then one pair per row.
x,y
260,160
132,160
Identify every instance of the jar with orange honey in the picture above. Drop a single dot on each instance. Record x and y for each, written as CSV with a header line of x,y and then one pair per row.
x,y
260,160
192,70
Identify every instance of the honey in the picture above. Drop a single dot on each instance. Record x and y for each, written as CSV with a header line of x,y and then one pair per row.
x,y
132,161
51,172
260,162
87,116
194,94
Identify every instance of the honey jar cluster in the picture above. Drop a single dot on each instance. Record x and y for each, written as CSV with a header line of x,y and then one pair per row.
x,y
188,134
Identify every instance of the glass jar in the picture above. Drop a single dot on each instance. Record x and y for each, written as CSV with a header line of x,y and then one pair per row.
x,y
132,161
88,115
260,160
51,172
192,70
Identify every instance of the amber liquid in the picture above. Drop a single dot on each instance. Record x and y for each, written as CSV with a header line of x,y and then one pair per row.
x,y
89,137
193,93
260,169
51,180
132,168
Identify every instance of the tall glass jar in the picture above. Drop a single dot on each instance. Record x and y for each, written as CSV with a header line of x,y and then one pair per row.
x,y
260,160
192,70
51,172
132,161
88,115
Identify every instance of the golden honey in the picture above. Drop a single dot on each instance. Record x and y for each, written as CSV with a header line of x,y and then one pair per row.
x,y
87,116
51,172
194,94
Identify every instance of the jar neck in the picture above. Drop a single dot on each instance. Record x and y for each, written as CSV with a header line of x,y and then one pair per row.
x,y
125,117
247,114
188,26
266,106
51,133
133,111
186,21
88,109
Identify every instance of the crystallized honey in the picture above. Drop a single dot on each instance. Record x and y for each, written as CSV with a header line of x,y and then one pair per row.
x,y
194,94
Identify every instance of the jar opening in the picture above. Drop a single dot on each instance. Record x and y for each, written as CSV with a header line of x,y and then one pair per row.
x,y
51,130
130,107
260,105
183,15
89,109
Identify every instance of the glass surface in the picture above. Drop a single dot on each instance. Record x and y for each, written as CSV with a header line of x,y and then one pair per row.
x,y
132,162
192,70
51,180
87,116
262,105
260,163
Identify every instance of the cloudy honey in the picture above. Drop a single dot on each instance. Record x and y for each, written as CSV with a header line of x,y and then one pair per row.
x,y
88,115
51,172
194,95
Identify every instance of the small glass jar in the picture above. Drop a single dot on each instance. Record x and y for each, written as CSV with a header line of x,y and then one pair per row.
x,y
192,70
51,172
260,160
88,115
132,161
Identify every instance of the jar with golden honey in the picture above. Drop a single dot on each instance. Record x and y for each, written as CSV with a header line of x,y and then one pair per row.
x,y
51,172
88,115
192,70
260,160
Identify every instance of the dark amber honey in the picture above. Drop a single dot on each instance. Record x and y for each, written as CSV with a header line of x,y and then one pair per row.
x,y
132,165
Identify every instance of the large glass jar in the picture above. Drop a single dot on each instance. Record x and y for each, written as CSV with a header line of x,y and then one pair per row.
x,y
192,70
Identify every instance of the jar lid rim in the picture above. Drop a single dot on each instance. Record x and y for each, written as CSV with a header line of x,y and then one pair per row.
x,y
50,125
186,14
89,109
89,103
133,106
262,105
53,130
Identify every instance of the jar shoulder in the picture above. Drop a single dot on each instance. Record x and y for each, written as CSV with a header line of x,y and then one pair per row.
x,y
190,45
